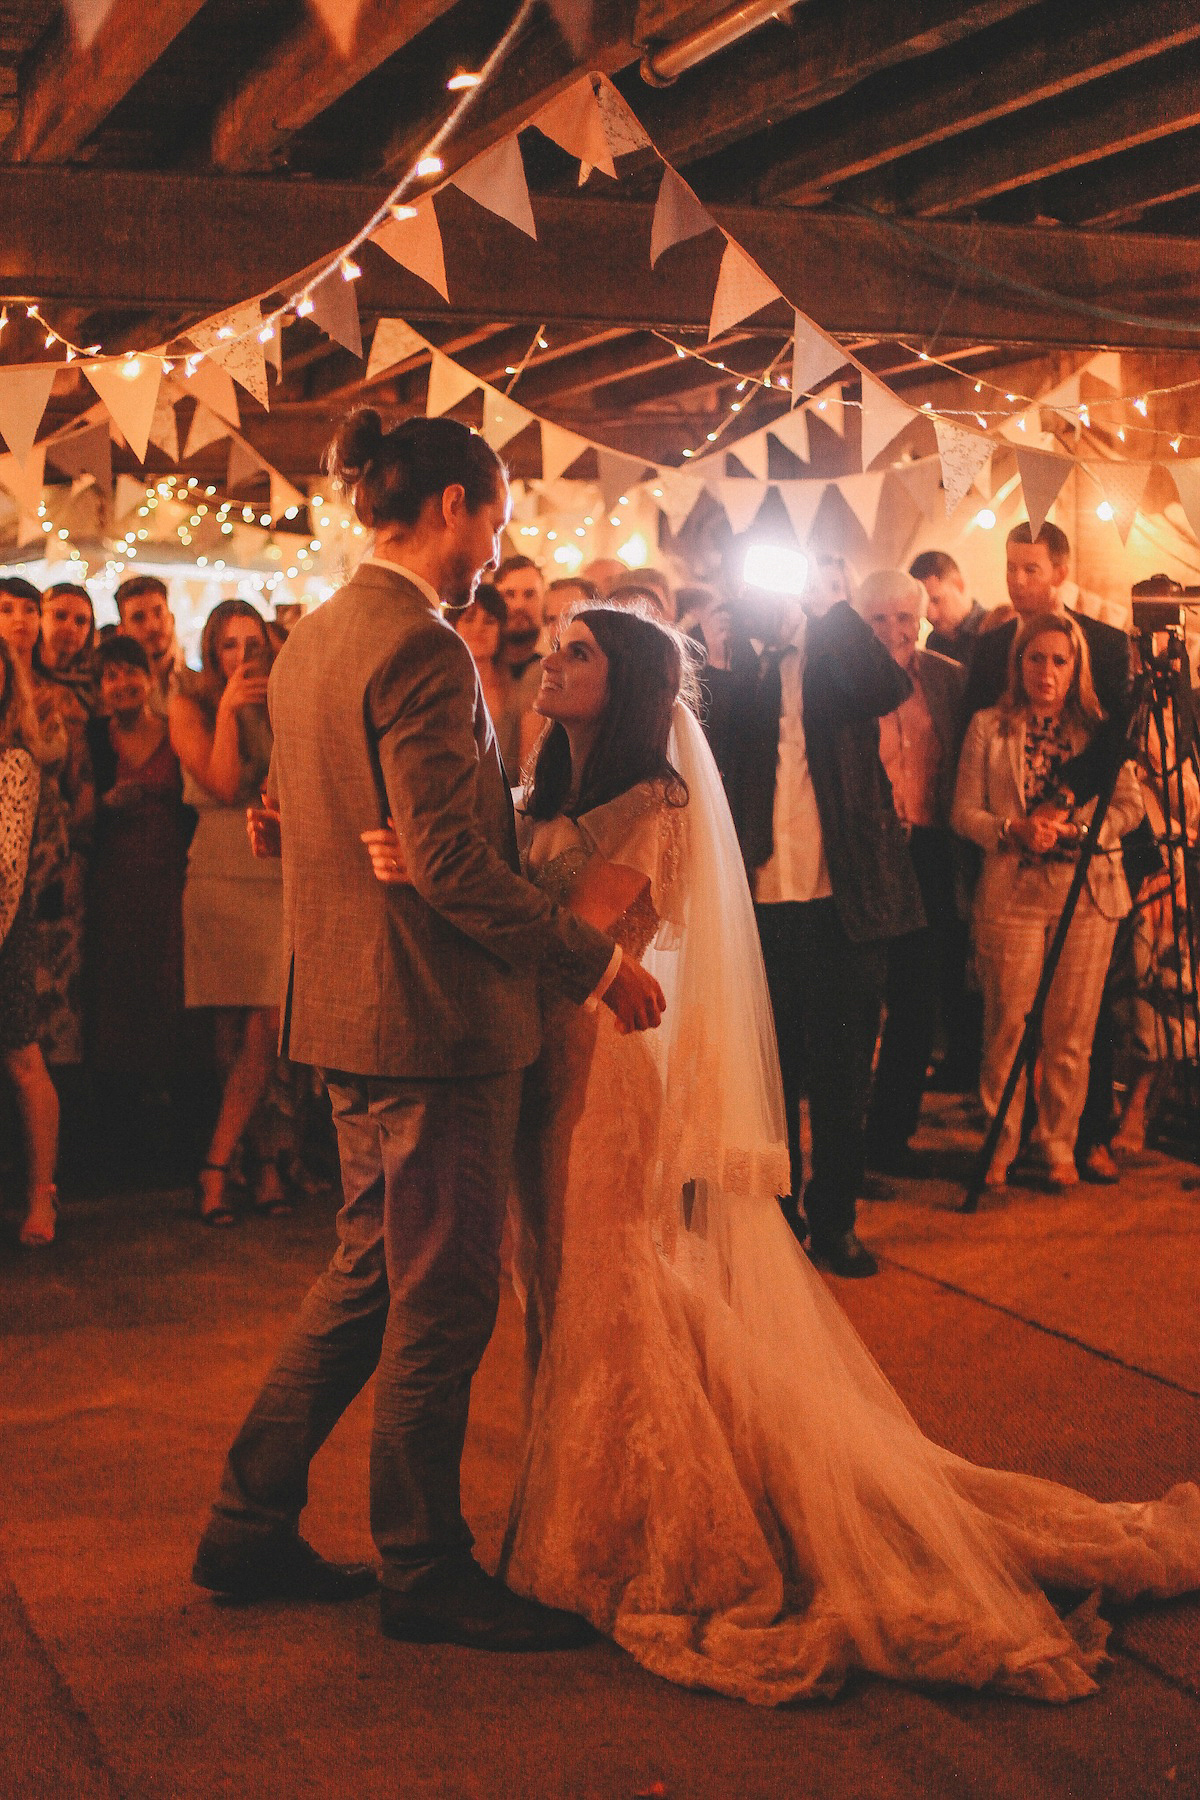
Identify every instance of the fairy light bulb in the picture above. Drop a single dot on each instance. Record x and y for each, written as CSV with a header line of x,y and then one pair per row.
x,y
1139,405
132,368
402,209
463,80
31,312
224,331
304,307
266,334
1175,443
350,269
430,165
50,342
680,351
1104,511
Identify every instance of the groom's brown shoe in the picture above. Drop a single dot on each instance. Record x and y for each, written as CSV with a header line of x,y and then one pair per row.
x,y
277,1568
464,1605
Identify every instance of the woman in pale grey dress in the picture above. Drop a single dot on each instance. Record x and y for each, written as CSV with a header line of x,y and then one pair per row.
x,y
232,903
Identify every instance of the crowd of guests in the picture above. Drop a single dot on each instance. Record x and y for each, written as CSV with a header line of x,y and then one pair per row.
x,y
909,798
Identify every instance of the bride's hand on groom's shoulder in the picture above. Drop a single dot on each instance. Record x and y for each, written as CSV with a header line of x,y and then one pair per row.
x,y
387,862
635,997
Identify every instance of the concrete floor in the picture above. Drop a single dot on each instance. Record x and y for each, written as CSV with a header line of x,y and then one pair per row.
x,y
1053,1335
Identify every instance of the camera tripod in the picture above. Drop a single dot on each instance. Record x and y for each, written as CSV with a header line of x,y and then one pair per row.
x,y
1162,713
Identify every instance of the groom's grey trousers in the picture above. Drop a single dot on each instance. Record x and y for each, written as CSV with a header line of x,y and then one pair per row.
x,y
413,1290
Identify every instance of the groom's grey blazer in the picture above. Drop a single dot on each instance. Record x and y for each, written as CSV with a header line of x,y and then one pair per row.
x,y
377,710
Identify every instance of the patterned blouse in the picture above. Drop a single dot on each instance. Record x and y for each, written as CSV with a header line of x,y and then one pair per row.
x,y
1048,746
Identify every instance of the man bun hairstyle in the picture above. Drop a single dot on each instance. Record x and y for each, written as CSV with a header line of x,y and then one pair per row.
x,y
389,475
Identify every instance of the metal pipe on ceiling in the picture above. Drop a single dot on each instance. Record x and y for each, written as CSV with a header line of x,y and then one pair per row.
x,y
664,63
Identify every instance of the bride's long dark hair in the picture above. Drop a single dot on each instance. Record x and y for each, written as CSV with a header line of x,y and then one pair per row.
x,y
650,666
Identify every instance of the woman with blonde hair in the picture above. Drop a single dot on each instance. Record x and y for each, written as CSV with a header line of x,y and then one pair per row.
x,y
22,754
1013,799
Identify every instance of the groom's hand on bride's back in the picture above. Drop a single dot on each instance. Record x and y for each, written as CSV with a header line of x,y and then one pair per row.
x,y
635,997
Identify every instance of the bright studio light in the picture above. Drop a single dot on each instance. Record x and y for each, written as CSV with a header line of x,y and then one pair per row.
x,y
569,555
775,569
985,518
633,552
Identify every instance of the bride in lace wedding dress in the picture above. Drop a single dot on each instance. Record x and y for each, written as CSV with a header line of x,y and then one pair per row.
x,y
717,1475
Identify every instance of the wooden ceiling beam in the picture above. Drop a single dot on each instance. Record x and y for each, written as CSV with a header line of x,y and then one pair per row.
x,y
1119,189
982,81
825,51
155,243
305,76
1152,100
71,89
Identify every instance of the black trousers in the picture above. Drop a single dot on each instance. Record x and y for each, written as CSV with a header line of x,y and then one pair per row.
x,y
826,994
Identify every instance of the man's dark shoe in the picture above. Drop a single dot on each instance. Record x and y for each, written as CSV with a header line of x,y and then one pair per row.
x,y
277,1568
845,1255
467,1606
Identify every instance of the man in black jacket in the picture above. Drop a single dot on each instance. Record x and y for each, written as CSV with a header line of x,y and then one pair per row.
x,y
833,883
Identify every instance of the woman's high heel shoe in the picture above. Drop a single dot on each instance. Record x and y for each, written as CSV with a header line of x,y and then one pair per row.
x,y
42,1217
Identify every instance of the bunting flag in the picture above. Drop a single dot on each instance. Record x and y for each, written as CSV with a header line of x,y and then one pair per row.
x,y
244,463
801,499
284,495
164,430
502,418
87,17
678,215
963,454
24,394
831,410
214,386
752,452
231,340
622,127
130,492
416,244
792,430
862,494
575,123
1186,476
496,180
923,482
1065,394
742,289
1042,475
815,357
560,448
335,310
1106,367
449,383
676,496
1123,485
884,417
742,501
205,429
130,392
617,474
85,453
340,20
394,342
273,350
24,481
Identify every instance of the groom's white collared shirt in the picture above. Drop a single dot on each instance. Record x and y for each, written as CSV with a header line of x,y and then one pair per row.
x,y
431,594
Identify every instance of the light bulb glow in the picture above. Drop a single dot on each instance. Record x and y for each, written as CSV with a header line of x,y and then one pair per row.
x,y
430,165
1104,511
402,210
634,551
457,84
985,518
775,569
350,269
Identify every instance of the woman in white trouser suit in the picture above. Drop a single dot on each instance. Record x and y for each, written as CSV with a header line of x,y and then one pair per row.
x,y
1009,800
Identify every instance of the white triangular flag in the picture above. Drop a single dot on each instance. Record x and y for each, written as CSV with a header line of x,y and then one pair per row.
x,y
502,418
394,342
742,289
963,454
815,357
87,17
792,430
1064,396
24,393
206,428
244,463
742,501
214,385
752,452
884,417
1123,485
416,243
164,430
1042,475
129,390
676,495
449,383
617,474
273,348
1106,367
283,494
574,122
496,180
560,448
801,498
1186,476
24,481
130,492
84,453
923,480
340,19
231,339
335,310
622,127
678,215
830,409
862,495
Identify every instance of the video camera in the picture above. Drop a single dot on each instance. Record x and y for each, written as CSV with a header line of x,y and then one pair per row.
x,y
1160,603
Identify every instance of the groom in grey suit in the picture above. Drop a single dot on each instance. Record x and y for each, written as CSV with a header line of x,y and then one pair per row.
x,y
420,1005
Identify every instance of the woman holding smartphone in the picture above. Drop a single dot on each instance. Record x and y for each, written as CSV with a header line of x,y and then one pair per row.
x,y
232,903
